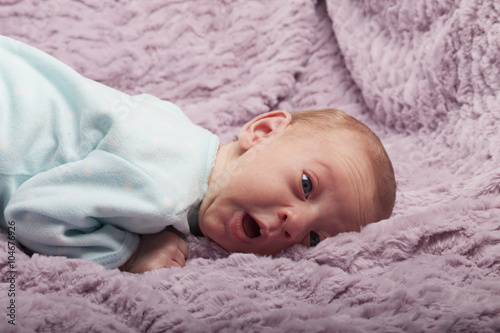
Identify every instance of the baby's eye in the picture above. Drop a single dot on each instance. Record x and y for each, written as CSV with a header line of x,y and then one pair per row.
x,y
306,184
313,239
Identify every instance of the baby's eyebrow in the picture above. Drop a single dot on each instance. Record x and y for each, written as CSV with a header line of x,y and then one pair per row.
x,y
326,166
329,174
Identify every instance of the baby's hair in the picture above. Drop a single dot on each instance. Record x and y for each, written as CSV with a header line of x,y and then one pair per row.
x,y
385,182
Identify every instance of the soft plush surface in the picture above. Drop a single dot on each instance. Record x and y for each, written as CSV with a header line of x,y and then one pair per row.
x,y
424,74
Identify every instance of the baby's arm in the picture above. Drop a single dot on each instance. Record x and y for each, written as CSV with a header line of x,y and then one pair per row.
x,y
162,250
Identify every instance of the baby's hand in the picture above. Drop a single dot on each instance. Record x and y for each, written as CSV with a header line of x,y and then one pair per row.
x,y
164,249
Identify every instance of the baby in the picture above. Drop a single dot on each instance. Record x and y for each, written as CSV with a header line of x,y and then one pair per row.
x,y
89,172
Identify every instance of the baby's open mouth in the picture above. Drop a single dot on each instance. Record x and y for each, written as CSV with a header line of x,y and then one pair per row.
x,y
250,226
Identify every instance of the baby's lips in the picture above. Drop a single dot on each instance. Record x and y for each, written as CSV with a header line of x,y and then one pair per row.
x,y
237,230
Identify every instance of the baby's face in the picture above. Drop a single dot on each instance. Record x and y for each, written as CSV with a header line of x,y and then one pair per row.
x,y
289,189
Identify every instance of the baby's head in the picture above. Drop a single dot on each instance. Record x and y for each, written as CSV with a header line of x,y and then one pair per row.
x,y
296,178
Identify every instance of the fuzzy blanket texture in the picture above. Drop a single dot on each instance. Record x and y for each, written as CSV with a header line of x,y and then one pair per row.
x,y
423,74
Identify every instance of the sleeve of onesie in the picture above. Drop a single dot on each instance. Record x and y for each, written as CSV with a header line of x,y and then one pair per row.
x,y
81,209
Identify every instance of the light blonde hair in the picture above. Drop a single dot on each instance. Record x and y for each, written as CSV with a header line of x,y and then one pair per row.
x,y
381,166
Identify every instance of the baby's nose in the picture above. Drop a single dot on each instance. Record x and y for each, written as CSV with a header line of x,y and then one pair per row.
x,y
292,224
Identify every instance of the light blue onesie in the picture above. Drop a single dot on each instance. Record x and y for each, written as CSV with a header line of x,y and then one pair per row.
x,y
84,168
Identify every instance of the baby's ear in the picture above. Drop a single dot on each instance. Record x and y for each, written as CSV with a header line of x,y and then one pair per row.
x,y
263,126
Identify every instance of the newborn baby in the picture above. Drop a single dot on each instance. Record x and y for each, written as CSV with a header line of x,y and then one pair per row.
x,y
89,172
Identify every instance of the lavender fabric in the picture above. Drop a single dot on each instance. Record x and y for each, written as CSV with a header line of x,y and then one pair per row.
x,y
424,74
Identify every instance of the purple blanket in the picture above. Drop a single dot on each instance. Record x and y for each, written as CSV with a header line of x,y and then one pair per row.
x,y
424,74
